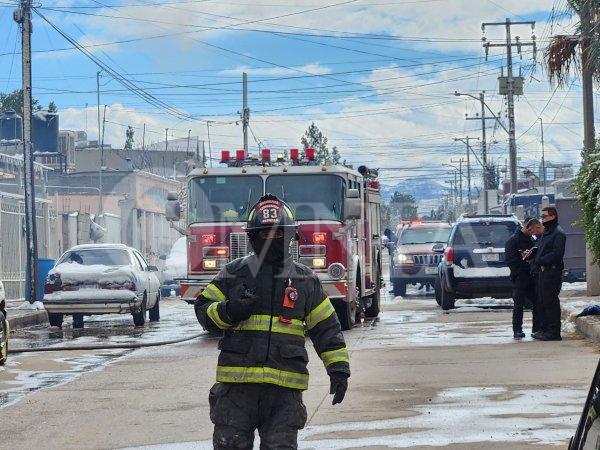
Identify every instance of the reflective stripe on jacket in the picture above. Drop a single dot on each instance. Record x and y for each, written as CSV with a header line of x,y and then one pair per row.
x,y
264,349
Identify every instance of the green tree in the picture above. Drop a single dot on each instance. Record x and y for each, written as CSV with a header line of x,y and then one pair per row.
x,y
314,138
52,108
403,206
129,138
14,102
335,155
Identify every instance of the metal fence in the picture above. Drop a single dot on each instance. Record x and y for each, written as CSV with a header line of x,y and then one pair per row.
x,y
13,252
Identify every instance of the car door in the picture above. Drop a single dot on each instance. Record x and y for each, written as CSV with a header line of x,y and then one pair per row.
x,y
151,279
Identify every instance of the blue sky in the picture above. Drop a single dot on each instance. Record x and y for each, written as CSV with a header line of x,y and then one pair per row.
x,y
375,75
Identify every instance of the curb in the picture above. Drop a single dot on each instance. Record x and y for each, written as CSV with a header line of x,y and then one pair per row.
x,y
26,319
588,326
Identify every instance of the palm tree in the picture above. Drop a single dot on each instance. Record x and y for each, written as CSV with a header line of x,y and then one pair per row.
x,y
578,53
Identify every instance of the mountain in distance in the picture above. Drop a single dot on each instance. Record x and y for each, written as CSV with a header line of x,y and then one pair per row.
x,y
420,189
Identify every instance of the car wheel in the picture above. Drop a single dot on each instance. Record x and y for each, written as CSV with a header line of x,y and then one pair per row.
x,y
139,318
399,288
56,319
448,300
3,339
154,312
77,320
438,291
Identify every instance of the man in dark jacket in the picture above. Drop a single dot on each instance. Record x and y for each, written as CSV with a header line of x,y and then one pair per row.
x,y
548,267
265,303
516,250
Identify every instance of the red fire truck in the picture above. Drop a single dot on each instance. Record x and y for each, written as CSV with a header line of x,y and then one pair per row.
x,y
337,208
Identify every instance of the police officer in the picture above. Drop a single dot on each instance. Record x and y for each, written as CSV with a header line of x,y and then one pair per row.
x,y
516,250
548,266
265,302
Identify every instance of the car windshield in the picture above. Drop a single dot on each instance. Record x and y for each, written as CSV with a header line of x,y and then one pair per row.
x,y
97,256
222,199
489,234
424,235
313,197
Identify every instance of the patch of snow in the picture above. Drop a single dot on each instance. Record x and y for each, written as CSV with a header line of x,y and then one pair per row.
x,y
73,273
574,308
578,286
481,272
568,327
486,301
176,262
91,294
31,306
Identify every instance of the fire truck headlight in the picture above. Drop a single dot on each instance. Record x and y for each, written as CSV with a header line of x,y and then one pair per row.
x,y
318,263
214,264
336,271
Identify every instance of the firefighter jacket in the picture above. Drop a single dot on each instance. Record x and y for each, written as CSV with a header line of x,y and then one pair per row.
x,y
269,347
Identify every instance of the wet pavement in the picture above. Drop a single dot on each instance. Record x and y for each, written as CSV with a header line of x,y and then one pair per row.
x,y
422,378
29,372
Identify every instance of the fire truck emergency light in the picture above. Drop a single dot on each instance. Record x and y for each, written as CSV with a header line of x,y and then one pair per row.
x,y
265,154
208,239
240,155
310,154
294,154
319,238
225,156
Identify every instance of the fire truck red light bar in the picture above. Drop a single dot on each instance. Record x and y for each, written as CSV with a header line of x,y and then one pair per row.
x,y
294,154
266,154
310,154
240,155
225,156
208,239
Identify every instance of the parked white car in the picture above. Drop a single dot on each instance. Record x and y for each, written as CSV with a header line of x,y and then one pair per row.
x,y
101,279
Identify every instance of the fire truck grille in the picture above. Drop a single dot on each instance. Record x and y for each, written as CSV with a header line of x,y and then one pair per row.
x,y
239,246
427,260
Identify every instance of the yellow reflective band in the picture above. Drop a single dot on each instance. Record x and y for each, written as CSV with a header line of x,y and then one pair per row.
x,y
333,356
212,292
293,380
319,314
263,322
251,215
213,313
288,211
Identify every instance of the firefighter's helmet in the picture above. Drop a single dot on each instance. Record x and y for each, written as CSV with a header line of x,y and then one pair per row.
x,y
270,212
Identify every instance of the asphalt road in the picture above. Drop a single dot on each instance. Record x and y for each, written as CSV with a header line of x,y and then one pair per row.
x,y
421,379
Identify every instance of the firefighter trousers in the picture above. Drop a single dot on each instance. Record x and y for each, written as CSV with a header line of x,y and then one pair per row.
x,y
238,409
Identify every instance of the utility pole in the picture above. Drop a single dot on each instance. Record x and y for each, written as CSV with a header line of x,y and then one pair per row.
x,y
543,155
483,118
23,17
187,153
460,176
245,113
101,169
587,80
208,122
466,140
165,154
144,138
510,87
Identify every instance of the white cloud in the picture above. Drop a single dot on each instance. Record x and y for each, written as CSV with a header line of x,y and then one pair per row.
x,y
312,69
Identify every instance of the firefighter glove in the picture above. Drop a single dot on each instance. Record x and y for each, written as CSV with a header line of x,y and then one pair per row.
x,y
339,385
241,306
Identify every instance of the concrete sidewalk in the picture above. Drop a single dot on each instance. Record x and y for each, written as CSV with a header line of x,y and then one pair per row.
x,y
588,326
20,318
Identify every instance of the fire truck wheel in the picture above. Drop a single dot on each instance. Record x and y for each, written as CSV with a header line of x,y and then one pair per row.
x,y
373,310
438,291
399,288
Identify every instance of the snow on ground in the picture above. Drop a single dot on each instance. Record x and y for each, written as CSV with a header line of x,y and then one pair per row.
x,y
579,286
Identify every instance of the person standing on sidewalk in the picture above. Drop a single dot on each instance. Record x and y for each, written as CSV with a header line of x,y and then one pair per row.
x,y
264,304
548,267
517,248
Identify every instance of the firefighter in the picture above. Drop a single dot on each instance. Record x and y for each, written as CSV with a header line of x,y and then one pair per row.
x,y
264,303
517,250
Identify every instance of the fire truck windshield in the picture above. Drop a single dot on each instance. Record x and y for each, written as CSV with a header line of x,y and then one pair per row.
x,y
313,197
222,198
